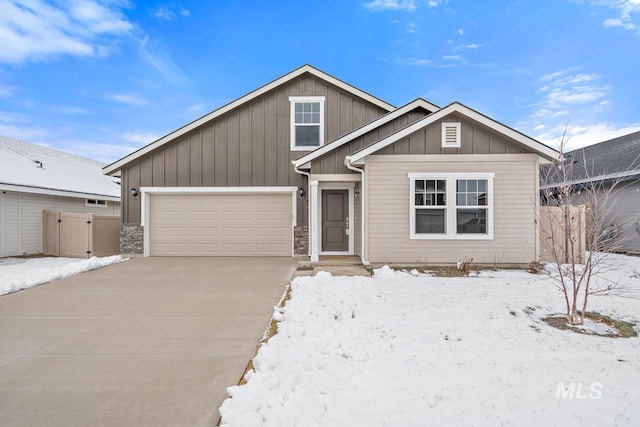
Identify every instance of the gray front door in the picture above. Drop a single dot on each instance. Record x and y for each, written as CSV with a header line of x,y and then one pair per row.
x,y
335,219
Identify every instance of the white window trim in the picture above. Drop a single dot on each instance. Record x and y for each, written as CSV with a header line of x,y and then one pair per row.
x,y
445,126
104,204
451,206
292,101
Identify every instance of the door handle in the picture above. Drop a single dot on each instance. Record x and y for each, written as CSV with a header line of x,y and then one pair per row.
x,y
346,226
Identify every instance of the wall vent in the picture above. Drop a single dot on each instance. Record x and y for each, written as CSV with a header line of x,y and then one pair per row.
x,y
451,134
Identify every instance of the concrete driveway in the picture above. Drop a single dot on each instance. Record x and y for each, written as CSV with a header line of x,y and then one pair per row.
x,y
149,342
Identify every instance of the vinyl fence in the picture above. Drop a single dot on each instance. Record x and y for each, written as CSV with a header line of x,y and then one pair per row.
x,y
80,235
563,231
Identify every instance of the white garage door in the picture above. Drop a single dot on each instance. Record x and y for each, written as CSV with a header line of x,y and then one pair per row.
x,y
220,225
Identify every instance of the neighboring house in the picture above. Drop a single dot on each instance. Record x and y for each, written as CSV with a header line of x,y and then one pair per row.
x,y
311,165
614,161
34,178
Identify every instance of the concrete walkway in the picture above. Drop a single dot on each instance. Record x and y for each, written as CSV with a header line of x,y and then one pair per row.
x,y
149,342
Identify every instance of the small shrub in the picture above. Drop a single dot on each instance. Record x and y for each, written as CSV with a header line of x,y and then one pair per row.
x,y
464,264
536,267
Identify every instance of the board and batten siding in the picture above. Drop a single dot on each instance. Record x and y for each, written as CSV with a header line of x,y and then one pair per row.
x,y
333,162
476,139
514,209
248,146
21,226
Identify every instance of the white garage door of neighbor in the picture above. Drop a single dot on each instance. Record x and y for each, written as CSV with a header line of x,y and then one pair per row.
x,y
220,225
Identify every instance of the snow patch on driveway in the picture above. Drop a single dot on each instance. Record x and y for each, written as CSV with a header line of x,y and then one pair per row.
x,y
23,273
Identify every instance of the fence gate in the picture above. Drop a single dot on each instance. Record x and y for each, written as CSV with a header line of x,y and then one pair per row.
x,y
80,235
563,231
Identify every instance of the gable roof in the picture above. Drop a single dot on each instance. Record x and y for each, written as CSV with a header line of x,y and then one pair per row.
x,y
320,151
114,167
57,173
541,149
614,158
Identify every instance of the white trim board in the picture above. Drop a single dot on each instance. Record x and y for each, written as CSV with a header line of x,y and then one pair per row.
x,y
53,192
115,167
303,161
541,149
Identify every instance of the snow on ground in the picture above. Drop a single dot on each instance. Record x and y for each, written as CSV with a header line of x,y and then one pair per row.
x,y
402,349
22,273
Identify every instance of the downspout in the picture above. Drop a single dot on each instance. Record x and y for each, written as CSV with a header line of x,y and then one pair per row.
x,y
347,163
308,175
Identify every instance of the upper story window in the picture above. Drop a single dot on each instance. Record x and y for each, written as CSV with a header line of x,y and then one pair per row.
x,y
307,122
451,205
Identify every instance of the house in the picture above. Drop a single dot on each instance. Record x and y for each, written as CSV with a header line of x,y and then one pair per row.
x,y
34,178
615,161
310,165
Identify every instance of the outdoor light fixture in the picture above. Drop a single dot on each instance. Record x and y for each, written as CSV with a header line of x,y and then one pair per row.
x,y
134,192
301,192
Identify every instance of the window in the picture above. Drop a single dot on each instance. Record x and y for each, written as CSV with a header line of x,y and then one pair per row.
x,y
471,206
451,206
95,202
307,122
431,206
451,134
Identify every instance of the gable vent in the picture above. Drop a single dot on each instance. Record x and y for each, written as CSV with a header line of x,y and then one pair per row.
x,y
451,134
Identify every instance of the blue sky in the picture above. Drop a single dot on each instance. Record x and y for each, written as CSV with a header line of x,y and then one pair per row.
x,y
101,78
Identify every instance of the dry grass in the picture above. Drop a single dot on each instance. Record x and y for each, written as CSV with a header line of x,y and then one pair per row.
x,y
271,330
625,329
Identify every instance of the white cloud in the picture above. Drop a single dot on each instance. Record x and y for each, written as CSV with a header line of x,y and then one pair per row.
x,y
127,98
162,62
582,136
141,138
626,10
377,5
7,90
460,31
412,28
561,88
36,30
68,109
195,108
164,13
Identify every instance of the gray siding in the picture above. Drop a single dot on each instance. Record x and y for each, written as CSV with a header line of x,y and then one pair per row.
x,y
514,205
249,146
624,211
333,162
475,139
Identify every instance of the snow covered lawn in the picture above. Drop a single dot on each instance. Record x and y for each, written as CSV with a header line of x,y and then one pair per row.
x,y
402,349
22,273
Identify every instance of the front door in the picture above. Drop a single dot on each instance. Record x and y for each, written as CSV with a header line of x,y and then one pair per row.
x,y
335,220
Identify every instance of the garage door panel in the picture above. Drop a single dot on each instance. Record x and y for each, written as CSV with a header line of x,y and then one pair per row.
x,y
220,224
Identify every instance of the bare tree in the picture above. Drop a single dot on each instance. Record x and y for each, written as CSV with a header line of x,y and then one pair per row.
x,y
577,231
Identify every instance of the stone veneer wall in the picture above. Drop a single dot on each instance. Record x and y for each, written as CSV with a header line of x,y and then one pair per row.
x,y
131,239
301,240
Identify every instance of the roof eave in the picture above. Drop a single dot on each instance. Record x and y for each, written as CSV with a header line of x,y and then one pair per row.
x,y
117,165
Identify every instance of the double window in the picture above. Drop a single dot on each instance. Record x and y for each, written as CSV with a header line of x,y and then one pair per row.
x,y
450,205
307,122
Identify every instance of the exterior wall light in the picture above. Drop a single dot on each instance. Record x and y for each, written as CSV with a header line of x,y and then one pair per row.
x,y
134,192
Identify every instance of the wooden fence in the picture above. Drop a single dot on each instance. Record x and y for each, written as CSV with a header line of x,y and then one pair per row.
x,y
563,231
80,235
